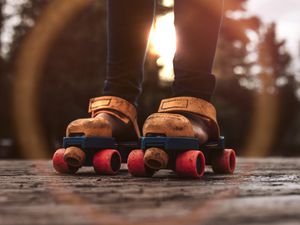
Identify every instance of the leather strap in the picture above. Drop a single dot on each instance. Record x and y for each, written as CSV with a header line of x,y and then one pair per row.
x,y
115,106
192,105
109,103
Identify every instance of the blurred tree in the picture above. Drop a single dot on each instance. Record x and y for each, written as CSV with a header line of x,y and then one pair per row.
x,y
1,56
6,144
251,62
273,61
74,72
75,68
277,82
3,98
14,32
232,64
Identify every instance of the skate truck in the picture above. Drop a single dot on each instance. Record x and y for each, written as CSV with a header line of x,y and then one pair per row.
x,y
102,141
172,140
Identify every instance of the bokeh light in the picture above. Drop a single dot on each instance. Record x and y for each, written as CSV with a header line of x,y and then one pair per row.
x,y
163,44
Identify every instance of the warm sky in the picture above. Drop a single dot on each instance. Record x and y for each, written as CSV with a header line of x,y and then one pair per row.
x,y
286,13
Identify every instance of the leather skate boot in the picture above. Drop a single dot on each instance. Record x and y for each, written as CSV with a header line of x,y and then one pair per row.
x,y
179,117
110,117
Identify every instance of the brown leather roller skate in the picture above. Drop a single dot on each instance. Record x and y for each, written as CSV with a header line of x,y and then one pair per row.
x,y
96,140
173,137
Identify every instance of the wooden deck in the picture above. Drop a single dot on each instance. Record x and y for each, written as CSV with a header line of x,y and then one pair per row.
x,y
262,191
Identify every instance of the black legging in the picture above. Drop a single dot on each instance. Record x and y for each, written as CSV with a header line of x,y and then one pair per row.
x,y
197,25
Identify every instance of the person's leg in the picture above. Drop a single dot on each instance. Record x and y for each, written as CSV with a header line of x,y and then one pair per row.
x,y
197,25
114,114
189,114
129,24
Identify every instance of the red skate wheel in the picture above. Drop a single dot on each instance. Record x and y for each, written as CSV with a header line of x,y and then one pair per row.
x,y
136,166
59,163
224,163
190,164
107,162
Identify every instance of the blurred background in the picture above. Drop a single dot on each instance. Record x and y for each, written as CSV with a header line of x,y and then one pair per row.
x,y
257,66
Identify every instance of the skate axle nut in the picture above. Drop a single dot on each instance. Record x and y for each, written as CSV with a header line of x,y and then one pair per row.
x,y
156,158
74,156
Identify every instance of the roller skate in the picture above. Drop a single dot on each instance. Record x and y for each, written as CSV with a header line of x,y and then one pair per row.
x,y
184,137
102,141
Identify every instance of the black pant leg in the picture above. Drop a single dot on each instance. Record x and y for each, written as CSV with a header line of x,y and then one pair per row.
x,y
129,24
197,25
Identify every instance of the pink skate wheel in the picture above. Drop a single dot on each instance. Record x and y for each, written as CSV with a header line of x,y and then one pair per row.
x,y
190,164
136,166
107,162
224,163
59,163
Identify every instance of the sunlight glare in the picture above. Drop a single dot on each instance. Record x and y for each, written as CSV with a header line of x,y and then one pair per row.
x,y
163,44
168,3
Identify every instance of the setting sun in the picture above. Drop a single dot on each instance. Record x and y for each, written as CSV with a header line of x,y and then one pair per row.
x,y
163,44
